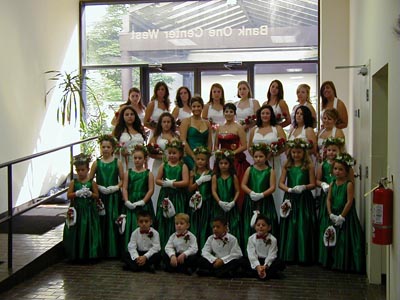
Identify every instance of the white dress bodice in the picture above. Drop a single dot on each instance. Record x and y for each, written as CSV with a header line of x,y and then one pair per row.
x,y
302,135
129,140
157,111
242,114
183,114
216,115
335,102
268,138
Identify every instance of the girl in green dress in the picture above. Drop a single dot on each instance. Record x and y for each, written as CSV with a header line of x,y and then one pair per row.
x,y
348,253
200,181
225,190
137,189
108,171
259,182
298,229
173,177
332,147
82,241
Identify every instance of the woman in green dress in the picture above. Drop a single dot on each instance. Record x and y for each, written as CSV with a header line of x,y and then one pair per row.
x,y
200,182
225,190
137,189
298,228
258,184
195,131
348,254
109,172
332,147
82,241
173,177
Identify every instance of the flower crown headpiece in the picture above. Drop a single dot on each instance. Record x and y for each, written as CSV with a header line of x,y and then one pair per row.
x,y
346,159
81,159
333,141
178,144
263,147
202,150
224,153
140,147
299,143
109,138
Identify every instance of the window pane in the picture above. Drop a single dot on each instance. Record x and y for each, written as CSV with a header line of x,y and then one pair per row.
x,y
111,88
291,75
201,31
227,78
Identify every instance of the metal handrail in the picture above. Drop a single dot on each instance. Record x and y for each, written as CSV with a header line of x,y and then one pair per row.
x,y
9,165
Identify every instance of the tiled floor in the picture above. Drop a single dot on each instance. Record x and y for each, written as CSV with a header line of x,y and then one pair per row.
x,y
107,280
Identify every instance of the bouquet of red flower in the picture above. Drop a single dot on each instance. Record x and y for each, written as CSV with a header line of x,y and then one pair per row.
x,y
71,217
196,201
152,123
154,149
278,145
285,209
121,222
281,117
248,120
330,237
100,207
214,126
168,208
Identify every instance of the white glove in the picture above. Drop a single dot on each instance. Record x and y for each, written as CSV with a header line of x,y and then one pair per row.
x,y
203,178
130,205
325,187
88,194
103,190
230,205
340,220
298,189
333,218
224,206
79,193
168,183
140,203
256,196
113,188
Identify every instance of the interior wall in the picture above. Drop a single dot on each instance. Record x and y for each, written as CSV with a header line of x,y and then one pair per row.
x,y
38,35
373,40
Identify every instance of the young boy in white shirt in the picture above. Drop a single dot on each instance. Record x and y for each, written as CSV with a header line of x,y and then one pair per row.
x,y
181,249
221,254
144,246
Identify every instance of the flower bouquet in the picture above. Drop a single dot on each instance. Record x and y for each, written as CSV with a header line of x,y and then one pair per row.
x,y
285,209
70,218
281,117
330,236
168,208
121,223
249,120
100,207
214,126
154,149
277,146
152,123
196,201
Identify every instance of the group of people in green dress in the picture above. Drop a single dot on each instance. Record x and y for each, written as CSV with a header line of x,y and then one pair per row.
x,y
107,198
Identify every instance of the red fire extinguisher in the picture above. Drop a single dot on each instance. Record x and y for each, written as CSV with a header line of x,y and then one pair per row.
x,y
382,215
